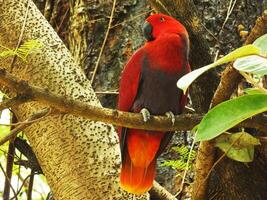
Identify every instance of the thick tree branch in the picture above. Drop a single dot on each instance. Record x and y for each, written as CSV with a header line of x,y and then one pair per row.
x,y
119,118
229,82
131,120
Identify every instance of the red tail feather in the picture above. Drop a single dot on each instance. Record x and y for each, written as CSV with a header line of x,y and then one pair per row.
x,y
139,160
136,180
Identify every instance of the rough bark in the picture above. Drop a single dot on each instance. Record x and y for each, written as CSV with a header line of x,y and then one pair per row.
x,y
80,158
88,25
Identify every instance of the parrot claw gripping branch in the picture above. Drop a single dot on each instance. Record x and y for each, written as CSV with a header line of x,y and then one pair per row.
x,y
146,114
148,85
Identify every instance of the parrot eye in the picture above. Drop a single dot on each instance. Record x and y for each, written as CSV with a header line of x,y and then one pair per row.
x,y
162,19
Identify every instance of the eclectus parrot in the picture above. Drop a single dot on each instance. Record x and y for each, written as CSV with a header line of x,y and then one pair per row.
x,y
148,85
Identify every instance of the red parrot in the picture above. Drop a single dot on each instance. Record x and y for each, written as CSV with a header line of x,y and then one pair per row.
x,y
148,83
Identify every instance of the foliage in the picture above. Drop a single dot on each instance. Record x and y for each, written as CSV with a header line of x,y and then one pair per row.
x,y
254,54
23,50
251,61
184,82
184,155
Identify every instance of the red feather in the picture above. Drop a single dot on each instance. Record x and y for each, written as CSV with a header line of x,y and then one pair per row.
x,y
130,80
149,81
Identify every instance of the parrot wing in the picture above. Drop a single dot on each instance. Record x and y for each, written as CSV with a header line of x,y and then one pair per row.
x,y
129,84
130,81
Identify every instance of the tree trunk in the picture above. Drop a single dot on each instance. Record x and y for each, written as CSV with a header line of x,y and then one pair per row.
x,y
80,158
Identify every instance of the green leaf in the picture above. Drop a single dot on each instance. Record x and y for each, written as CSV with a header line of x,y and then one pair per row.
x,y
175,164
24,50
261,43
28,47
252,64
184,155
230,113
7,53
184,82
238,146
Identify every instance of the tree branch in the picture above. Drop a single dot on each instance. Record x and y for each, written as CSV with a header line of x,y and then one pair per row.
x,y
126,119
159,192
119,118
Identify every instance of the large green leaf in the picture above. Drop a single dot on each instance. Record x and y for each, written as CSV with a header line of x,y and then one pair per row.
x,y
184,82
238,146
230,113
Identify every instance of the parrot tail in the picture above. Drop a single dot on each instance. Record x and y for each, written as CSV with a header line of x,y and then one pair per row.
x,y
136,179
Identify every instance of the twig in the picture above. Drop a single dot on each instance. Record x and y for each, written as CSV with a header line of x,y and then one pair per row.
x,y
54,12
24,181
107,92
104,43
60,25
27,121
186,167
9,181
163,7
9,164
47,10
211,34
159,192
34,118
229,12
14,101
19,169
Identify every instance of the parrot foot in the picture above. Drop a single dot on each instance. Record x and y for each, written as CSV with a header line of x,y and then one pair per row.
x,y
146,114
171,116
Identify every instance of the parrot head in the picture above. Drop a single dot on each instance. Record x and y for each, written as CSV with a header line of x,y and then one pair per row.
x,y
158,24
